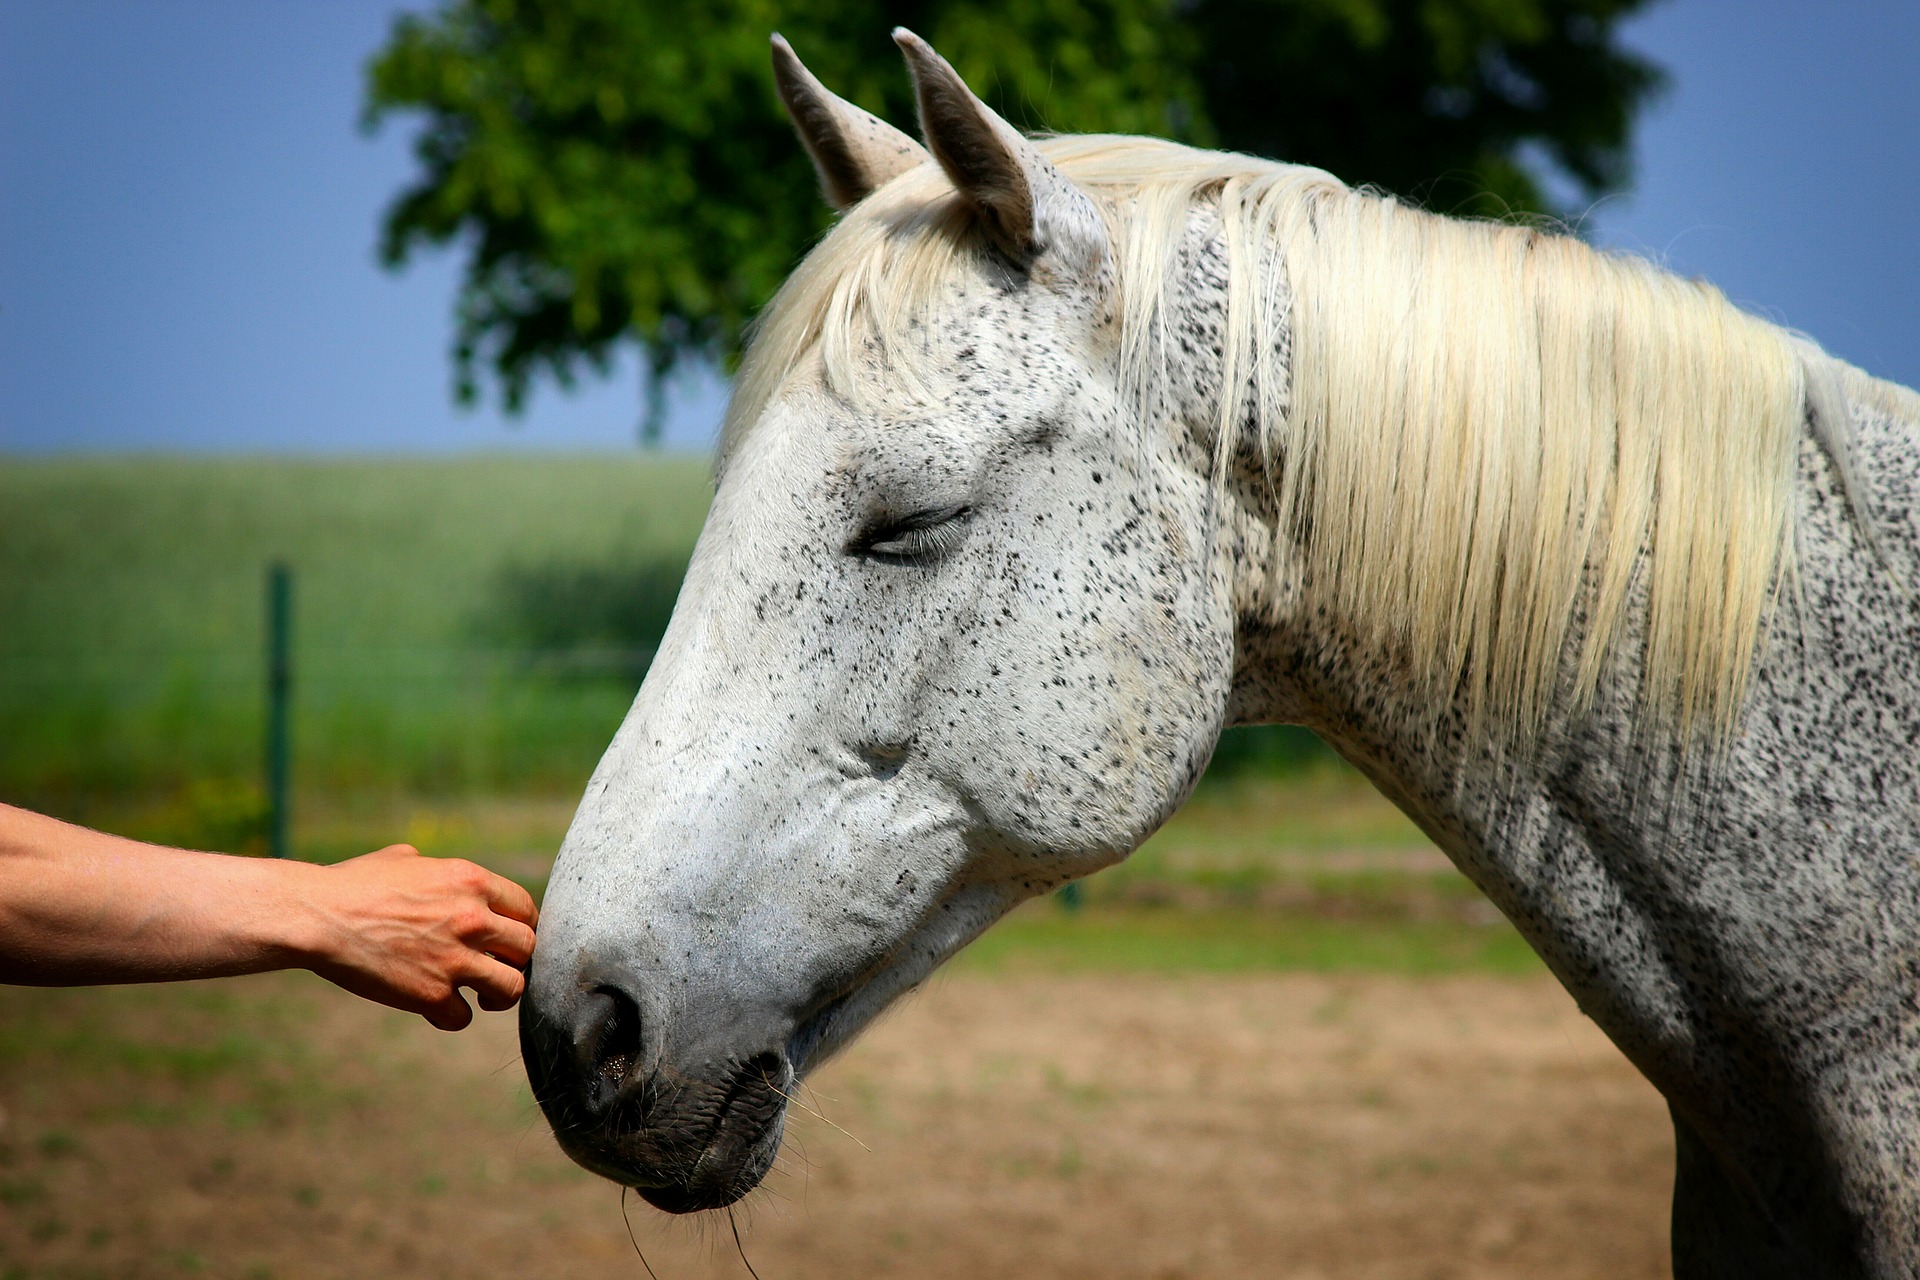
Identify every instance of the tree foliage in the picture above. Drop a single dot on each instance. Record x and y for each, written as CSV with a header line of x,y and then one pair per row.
x,y
620,169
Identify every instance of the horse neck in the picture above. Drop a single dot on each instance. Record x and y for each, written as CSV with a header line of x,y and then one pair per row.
x,y
1496,808
1299,661
1656,878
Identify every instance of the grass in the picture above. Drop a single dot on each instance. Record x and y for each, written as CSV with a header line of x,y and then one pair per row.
x,y
230,1052
1315,871
1242,837
131,608
1043,938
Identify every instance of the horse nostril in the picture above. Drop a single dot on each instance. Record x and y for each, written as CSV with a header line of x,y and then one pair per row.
x,y
610,1044
766,1068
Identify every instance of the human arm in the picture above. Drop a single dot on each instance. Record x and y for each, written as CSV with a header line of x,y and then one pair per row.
x,y
79,906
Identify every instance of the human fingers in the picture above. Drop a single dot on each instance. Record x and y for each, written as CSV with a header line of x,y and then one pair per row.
x,y
507,939
509,899
500,894
451,1013
497,986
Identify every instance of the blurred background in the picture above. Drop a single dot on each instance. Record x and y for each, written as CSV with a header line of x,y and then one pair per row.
x,y
435,306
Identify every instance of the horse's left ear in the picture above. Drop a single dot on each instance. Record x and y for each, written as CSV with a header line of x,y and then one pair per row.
x,y
853,151
1028,206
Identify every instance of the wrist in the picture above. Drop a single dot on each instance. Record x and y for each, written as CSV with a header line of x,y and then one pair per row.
x,y
296,930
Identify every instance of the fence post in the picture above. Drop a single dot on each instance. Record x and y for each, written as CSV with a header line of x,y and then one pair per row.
x,y
279,699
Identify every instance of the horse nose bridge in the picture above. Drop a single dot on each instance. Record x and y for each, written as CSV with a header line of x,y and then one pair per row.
x,y
662,818
693,871
712,698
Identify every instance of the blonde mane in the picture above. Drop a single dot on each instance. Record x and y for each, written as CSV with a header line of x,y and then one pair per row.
x,y
1488,440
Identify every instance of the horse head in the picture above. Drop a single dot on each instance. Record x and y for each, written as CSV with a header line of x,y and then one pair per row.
x,y
948,640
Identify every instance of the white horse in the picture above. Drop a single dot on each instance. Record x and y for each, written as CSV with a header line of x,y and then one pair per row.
x,y
1054,458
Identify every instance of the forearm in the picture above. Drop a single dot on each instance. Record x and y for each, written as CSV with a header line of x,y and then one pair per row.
x,y
79,906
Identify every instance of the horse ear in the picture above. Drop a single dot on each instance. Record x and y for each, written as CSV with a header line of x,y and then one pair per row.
x,y
1028,205
853,151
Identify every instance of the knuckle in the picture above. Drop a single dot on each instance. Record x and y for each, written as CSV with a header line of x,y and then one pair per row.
x,y
436,984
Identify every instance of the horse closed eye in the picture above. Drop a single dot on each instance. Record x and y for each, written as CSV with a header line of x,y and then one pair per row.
x,y
916,539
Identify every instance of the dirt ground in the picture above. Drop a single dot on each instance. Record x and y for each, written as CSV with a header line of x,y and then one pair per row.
x,y
1027,1126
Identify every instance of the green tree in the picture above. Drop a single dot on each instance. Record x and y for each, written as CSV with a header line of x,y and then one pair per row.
x,y
619,170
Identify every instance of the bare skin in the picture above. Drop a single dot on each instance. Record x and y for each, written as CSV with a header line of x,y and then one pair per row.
x,y
78,906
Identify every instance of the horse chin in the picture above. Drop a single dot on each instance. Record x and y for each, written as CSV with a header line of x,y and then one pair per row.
x,y
737,1157
721,1177
700,1199
685,1143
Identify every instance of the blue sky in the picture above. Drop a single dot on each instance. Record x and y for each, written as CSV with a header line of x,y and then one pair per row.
x,y
188,212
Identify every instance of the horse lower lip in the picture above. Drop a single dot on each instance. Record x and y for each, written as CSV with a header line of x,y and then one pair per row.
x,y
685,1200
678,1176
733,1165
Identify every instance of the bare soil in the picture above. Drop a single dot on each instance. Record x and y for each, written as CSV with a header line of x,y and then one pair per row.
x,y
1025,1126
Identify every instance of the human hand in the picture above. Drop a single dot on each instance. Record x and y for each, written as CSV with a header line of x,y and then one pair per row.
x,y
410,931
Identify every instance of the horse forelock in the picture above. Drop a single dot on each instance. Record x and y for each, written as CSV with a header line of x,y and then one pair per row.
x,y
1489,440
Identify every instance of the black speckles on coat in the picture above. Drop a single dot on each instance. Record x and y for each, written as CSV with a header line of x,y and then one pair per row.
x,y
843,765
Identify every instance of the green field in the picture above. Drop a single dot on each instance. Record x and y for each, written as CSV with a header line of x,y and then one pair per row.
x,y
456,623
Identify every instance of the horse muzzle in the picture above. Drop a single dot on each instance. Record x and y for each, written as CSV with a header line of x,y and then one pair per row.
x,y
688,1136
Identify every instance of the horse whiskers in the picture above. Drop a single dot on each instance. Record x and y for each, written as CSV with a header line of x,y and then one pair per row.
x,y
816,1095
740,1248
817,1115
633,1240
792,1151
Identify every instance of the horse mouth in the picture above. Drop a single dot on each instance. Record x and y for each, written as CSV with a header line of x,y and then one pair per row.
x,y
679,1176
746,1131
700,1198
748,1122
687,1144
734,1163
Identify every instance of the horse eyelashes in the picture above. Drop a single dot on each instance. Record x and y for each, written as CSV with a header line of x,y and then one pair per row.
x,y
917,539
